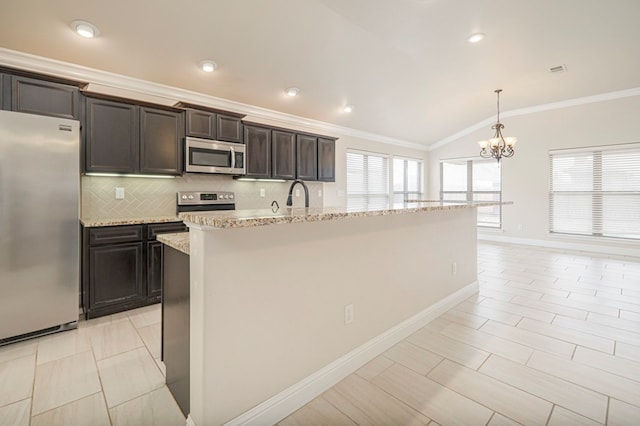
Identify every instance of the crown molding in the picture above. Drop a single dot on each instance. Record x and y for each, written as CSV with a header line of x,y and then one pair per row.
x,y
163,94
537,108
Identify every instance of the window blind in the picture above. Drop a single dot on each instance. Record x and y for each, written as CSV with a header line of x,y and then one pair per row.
x,y
367,180
595,192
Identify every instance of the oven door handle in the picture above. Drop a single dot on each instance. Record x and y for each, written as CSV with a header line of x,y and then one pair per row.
x,y
233,157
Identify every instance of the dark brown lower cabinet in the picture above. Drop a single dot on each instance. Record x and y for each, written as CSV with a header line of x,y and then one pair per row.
x,y
122,267
175,325
116,276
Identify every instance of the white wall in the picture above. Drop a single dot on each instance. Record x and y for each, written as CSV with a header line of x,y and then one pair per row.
x,y
525,177
267,302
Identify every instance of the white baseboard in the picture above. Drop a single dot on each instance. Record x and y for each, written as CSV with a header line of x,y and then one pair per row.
x,y
289,400
631,250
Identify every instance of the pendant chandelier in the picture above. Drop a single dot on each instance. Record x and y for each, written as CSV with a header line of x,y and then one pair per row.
x,y
498,146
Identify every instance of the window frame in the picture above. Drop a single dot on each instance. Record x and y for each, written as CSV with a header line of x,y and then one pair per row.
x,y
405,183
470,193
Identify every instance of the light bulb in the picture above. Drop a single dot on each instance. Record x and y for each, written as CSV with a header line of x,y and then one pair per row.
x,y
510,141
483,144
494,142
292,91
85,29
474,38
208,66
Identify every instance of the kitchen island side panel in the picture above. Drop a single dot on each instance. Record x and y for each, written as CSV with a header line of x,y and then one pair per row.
x,y
268,302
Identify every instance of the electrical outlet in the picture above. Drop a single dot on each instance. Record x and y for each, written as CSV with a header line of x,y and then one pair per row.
x,y
348,314
297,192
262,192
119,193
520,227
454,268
319,192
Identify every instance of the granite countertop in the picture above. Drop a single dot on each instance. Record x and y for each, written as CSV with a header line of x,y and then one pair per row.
x,y
250,218
178,241
94,223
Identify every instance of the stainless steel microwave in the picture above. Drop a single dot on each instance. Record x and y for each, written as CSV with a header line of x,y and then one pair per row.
x,y
207,156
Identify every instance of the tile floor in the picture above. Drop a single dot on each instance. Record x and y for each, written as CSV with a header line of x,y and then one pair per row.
x,y
106,372
553,338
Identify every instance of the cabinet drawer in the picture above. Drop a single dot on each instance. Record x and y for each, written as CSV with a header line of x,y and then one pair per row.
x,y
115,234
162,228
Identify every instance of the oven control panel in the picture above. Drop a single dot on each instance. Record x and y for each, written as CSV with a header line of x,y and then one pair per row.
x,y
187,198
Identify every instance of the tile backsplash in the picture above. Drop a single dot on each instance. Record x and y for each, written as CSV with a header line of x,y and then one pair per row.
x,y
157,197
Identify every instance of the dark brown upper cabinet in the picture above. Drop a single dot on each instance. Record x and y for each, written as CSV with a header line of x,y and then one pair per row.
x,y
212,124
283,155
229,128
270,152
128,138
201,124
326,160
258,145
277,153
306,157
160,141
34,96
112,136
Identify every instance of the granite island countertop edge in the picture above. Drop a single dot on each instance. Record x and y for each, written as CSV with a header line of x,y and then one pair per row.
x,y
230,219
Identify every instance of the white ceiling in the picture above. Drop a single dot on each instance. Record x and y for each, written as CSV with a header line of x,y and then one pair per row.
x,y
404,64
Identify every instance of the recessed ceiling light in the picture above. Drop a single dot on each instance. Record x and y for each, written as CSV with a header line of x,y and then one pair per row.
x,y
348,108
85,29
474,38
292,91
208,66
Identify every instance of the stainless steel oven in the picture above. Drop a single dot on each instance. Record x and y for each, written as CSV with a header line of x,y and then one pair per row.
x,y
208,156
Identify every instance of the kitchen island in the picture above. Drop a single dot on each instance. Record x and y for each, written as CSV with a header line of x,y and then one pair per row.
x,y
285,303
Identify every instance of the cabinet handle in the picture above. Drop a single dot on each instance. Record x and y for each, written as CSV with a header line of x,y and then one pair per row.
x,y
233,158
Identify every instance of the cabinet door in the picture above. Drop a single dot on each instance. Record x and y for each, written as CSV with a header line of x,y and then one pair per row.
x,y
34,96
258,146
201,124
306,157
229,128
115,275
5,99
154,269
283,155
326,160
160,141
112,137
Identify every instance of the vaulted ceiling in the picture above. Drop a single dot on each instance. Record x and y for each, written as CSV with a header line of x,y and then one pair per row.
x,y
405,64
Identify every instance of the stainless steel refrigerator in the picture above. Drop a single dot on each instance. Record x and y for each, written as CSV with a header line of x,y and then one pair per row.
x,y
39,225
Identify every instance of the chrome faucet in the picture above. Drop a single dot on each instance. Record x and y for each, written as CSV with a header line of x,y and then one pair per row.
x,y
306,193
